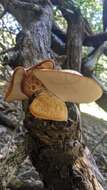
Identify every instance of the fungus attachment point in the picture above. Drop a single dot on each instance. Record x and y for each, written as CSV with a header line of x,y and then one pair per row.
x,y
69,85
49,107
14,91
31,84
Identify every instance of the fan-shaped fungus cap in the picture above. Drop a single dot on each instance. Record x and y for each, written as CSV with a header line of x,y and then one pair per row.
x,y
70,86
48,106
14,91
30,83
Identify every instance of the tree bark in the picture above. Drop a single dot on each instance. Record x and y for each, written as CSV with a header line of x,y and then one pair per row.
x,y
74,44
104,15
102,102
55,148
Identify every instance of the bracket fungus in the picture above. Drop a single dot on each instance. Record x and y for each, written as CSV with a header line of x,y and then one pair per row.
x,y
14,87
23,83
48,106
45,64
69,85
55,87
30,83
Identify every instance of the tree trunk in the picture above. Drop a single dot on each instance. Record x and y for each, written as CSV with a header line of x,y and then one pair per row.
x,y
74,43
55,148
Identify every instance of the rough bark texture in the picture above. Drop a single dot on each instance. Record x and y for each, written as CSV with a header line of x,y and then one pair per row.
x,y
55,148
74,44
104,15
102,102
12,161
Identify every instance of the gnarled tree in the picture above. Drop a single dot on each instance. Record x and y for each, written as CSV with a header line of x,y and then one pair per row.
x,y
56,149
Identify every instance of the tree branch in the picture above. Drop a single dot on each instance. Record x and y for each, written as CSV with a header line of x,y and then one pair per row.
x,y
57,45
20,4
89,63
27,5
74,39
95,40
104,15
58,32
16,6
102,102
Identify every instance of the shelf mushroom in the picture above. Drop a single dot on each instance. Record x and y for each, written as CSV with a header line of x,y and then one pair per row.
x,y
45,64
30,83
49,107
54,88
69,85
23,83
14,87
